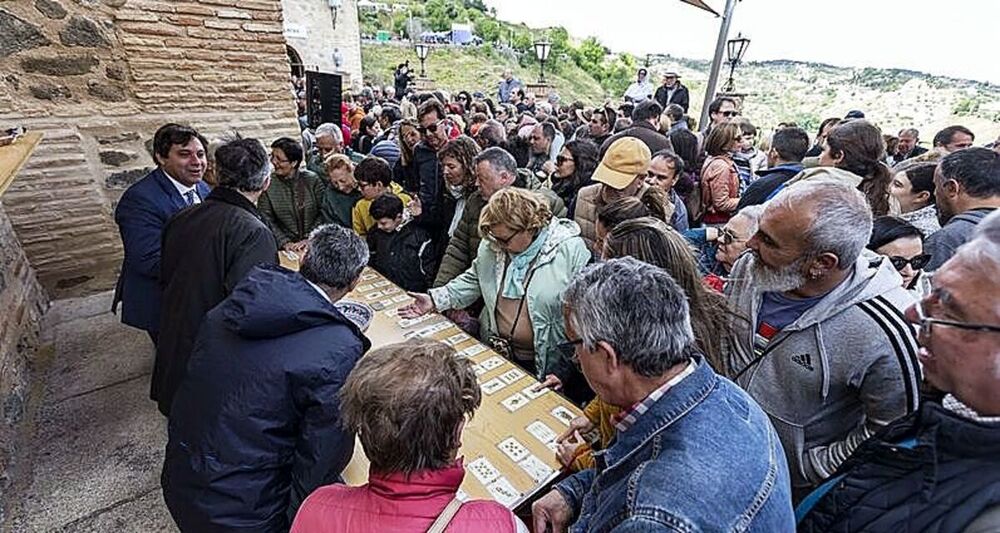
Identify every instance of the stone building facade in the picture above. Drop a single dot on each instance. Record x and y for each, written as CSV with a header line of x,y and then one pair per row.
x,y
22,302
98,77
315,29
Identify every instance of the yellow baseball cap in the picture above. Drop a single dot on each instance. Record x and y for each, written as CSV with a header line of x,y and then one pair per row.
x,y
625,159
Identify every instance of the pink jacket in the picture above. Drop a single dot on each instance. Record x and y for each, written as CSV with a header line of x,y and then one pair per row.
x,y
393,504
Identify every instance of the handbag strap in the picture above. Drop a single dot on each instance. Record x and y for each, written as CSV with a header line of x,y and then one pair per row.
x,y
446,516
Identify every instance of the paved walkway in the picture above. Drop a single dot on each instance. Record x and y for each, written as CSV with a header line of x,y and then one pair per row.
x,y
98,440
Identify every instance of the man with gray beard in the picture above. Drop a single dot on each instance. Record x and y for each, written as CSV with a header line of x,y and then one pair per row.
x,y
821,343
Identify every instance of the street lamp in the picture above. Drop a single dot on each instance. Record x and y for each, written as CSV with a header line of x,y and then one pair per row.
x,y
542,50
735,49
422,51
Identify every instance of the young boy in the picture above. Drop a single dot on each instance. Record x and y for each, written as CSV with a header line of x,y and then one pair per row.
x,y
374,178
398,247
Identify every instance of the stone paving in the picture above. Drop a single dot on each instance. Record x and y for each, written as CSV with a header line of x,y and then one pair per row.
x,y
97,449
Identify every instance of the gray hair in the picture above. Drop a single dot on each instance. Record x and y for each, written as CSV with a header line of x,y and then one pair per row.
x,y
335,258
753,214
912,132
637,308
499,159
331,129
843,219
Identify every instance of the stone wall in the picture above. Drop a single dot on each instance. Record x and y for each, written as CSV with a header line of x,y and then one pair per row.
x,y
22,302
313,31
98,77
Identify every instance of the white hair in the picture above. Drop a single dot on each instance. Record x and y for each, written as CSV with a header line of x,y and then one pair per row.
x,y
842,222
331,129
752,213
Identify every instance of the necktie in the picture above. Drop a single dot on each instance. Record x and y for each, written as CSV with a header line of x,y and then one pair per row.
x,y
189,197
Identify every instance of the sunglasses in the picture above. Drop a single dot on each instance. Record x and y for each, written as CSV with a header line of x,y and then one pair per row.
x,y
730,114
727,237
560,160
568,350
917,262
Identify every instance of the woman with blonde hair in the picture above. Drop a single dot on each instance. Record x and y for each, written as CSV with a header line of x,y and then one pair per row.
x,y
526,259
404,172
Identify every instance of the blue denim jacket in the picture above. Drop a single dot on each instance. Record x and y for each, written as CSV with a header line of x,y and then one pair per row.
x,y
703,458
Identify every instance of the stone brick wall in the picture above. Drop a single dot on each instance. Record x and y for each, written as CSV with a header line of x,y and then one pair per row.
x,y
314,33
98,77
22,302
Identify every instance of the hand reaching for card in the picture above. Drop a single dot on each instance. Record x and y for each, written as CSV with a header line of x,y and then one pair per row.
x,y
569,449
422,304
551,382
580,424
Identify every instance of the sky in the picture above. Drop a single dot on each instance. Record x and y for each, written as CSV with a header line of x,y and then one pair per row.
x,y
955,38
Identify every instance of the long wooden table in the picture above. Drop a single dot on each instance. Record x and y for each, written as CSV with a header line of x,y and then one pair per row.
x,y
508,446
13,156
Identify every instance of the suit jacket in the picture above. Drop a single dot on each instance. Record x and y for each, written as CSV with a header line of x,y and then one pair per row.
x,y
207,250
141,214
680,97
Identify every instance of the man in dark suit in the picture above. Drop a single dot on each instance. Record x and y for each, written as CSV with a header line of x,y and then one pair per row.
x,y
207,250
672,92
142,213
907,146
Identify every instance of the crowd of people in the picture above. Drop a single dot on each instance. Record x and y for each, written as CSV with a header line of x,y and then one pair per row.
x,y
766,331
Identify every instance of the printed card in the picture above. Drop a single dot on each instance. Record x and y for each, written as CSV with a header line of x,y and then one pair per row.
x,y
493,385
410,322
492,362
542,432
536,468
474,350
563,414
513,449
457,338
401,298
504,492
378,306
512,375
484,470
373,295
368,277
531,393
383,283
478,370
514,402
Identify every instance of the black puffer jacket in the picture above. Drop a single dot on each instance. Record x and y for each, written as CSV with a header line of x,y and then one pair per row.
x,y
930,471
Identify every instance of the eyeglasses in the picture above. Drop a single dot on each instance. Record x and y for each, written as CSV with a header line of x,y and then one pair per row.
x,y
727,237
503,242
568,350
926,322
560,160
275,159
424,130
917,262
730,114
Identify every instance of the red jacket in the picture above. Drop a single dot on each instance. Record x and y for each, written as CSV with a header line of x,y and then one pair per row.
x,y
393,504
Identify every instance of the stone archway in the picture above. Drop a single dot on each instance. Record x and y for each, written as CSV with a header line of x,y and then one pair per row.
x,y
295,60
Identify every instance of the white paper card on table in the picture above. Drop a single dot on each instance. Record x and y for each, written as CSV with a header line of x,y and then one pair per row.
x,y
374,295
401,298
391,313
513,449
563,414
390,290
542,432
536,468
383,283
478,370
457,338
512,375
475,349
410,322
492,362
503,492
484,470
531,393
514,402
366,287
386,303
493,385
552,445
366,277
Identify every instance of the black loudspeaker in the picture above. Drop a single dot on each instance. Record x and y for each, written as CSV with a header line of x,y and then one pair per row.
x,y
323,97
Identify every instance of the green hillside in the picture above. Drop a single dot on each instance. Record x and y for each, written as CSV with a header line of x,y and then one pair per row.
x,y
474,69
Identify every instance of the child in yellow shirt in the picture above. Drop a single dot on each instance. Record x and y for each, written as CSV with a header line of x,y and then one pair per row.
x,y
374,178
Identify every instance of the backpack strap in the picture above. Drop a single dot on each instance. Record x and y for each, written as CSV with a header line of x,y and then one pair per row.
x,y
446,516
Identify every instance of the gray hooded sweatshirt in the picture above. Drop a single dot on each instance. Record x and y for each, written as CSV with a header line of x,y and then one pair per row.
x,y
836,375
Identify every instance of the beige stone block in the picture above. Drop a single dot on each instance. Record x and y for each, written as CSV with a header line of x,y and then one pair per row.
x,y
137,16
262,27
144,28
233,14
222,25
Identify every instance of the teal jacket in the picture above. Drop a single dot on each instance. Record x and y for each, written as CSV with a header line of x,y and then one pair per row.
x,y
563,255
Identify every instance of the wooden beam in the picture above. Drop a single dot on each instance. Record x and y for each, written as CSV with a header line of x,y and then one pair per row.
x,y
13,156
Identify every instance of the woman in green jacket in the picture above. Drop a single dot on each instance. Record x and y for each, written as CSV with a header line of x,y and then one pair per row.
x,y
525,261
291,204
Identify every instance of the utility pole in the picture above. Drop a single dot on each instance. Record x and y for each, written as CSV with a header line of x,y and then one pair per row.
x,y
713,76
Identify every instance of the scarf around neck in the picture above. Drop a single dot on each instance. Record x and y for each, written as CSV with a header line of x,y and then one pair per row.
x,y
519,266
